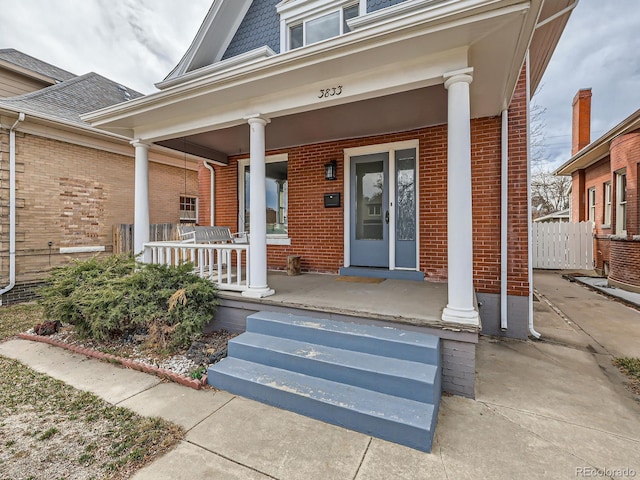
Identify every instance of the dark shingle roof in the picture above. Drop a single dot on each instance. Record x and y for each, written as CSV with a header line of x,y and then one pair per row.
x,y
23,60
72,98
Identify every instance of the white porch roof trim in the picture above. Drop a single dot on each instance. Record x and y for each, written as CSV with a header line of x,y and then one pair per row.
x,y
444,32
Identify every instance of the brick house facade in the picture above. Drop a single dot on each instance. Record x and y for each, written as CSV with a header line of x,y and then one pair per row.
x,y
604,190
320,244
423,109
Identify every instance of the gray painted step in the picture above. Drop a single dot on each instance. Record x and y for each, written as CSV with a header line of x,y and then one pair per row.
x,y
388,342
385,416
401,378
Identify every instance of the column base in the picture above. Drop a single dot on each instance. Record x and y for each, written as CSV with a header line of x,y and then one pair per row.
x,y
258,292
467,316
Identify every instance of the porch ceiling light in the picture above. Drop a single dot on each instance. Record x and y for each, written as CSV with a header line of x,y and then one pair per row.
x,y
331,170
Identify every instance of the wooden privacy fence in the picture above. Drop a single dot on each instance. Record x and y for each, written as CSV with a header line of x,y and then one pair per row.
x,y
563,246
159,232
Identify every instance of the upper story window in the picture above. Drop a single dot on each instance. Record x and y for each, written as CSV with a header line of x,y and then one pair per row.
x,y
312,26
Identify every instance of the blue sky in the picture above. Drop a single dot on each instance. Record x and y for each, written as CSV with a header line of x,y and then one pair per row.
x,y
138,42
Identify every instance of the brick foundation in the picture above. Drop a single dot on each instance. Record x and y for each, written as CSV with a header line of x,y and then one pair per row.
x,y
24,292
625,262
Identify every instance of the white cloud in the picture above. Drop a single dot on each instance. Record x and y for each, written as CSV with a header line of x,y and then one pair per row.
x,y
599,50
133,42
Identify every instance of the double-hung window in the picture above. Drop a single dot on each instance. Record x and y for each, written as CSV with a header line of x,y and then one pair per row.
x,y
607,204
312,29
188,209
591,199
621,203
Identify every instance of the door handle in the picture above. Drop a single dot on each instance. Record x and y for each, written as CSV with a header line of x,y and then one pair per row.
x,y
386,217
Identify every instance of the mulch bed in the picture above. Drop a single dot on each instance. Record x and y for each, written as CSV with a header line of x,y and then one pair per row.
x,y
186,368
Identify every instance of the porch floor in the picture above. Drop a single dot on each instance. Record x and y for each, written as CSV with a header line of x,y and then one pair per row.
x,y
398,301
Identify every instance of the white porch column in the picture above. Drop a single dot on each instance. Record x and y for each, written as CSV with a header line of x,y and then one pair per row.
x,y
460,307
141,197
257,276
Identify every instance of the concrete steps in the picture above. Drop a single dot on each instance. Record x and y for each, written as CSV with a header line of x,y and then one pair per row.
x,y
380,381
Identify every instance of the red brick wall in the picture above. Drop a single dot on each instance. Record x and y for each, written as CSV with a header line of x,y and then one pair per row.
x,y
518,208
595,177
625,261
317,233
625,153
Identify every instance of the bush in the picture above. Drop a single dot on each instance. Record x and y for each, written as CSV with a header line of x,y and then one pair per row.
x,y
114,296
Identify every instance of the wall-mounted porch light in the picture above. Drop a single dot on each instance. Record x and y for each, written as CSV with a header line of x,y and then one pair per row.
x,y
331,170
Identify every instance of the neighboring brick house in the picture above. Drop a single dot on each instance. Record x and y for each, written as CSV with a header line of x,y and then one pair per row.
x,y
72,182
604,190
382,138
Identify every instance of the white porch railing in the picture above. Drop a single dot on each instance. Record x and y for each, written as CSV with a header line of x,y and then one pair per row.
x,y
222,263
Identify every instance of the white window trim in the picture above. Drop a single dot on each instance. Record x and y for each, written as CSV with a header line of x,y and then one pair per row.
x,y
195,220
591,204
619,205
272,238
381,148
607,205
301,11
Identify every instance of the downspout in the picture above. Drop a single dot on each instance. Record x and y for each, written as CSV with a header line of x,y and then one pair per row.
x,y
532,330
504,219
212,194
12,206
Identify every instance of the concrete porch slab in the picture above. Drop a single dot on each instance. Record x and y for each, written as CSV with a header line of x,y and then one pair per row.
x,y
414,304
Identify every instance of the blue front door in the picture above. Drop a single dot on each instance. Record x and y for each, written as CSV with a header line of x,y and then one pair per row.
x,y
370,210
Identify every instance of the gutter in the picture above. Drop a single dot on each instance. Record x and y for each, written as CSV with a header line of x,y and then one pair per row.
x,y
12,206
212,194
504,219
532,330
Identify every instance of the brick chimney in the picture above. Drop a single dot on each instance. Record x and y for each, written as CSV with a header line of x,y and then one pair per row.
x,y
581,129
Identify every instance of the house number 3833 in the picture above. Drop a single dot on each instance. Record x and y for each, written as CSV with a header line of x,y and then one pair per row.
x,y
330,92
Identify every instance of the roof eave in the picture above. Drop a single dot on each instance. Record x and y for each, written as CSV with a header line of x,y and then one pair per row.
x,y
283,62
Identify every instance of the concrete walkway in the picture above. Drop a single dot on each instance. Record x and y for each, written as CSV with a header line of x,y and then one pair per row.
x,y
543,410
573,313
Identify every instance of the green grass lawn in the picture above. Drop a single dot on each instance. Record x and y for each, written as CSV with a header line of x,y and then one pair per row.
x,y
19,318
49,430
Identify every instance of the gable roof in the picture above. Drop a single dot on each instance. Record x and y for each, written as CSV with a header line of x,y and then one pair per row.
x,y
215,33
22,60
68,100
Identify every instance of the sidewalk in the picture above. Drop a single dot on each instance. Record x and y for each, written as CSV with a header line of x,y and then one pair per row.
x,y
543,410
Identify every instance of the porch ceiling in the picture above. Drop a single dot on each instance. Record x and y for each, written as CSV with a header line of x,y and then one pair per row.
x,y
391,113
